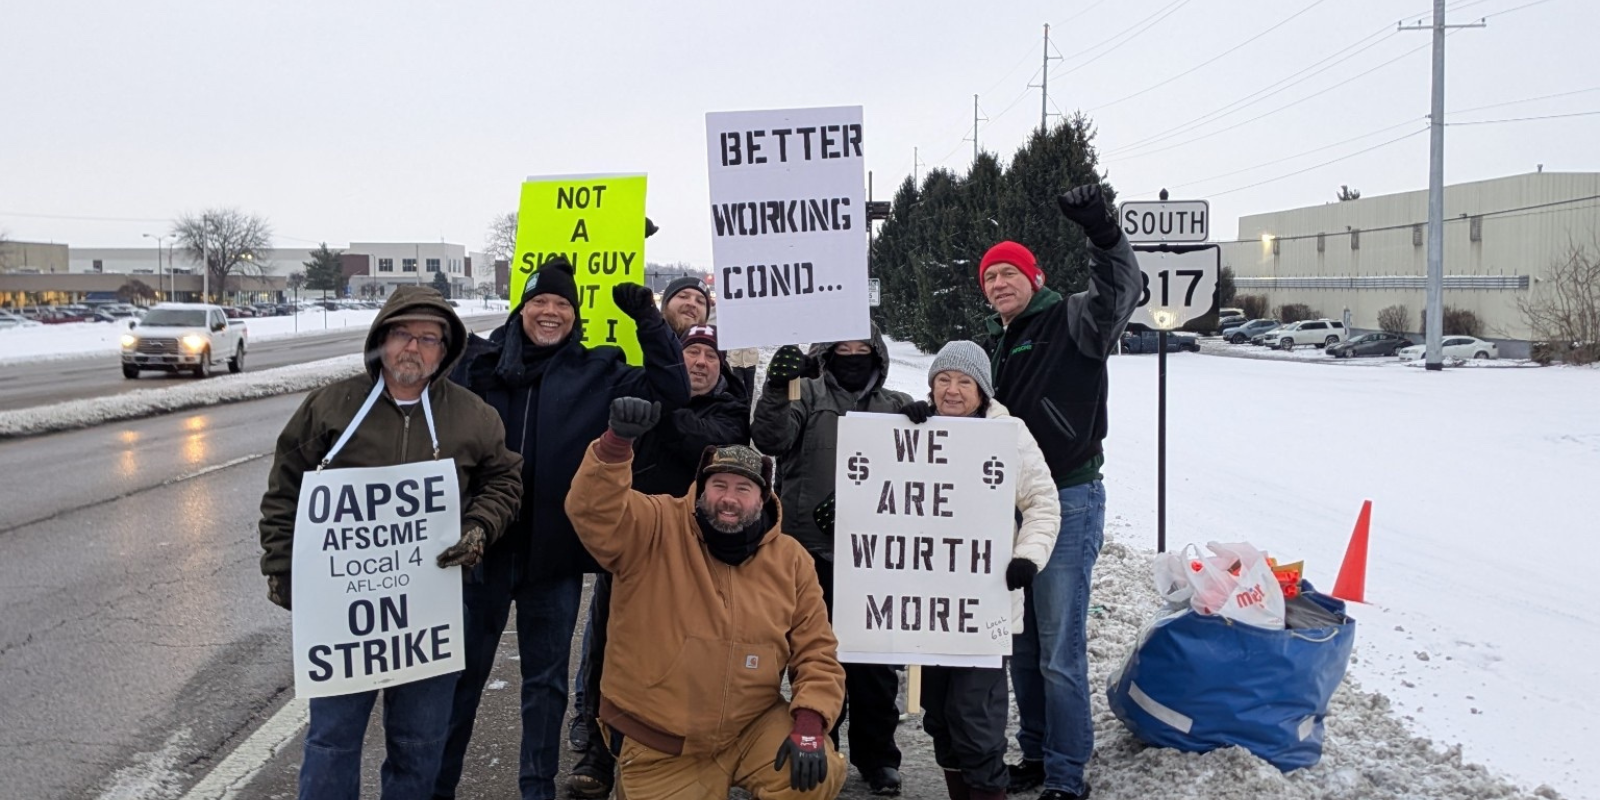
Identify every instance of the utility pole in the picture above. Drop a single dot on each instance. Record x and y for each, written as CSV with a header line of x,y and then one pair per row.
x,y
1044,83
1433,322
916,164
975,120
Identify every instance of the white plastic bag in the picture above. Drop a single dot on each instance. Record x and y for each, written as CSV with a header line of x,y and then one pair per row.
x,y
1253,596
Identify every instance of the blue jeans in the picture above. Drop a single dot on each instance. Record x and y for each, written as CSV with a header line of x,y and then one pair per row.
x,y
416,717
547,612
1049,659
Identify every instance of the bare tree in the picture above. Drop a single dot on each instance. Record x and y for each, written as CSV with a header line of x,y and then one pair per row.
x,y
227,240
502,242
1563,309
1347,193
1394,319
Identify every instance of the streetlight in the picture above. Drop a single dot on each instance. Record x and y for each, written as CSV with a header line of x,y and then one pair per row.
x,y
158,258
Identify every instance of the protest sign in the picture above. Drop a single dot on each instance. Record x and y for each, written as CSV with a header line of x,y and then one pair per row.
x,y
922,536
789,226
371,607
596,222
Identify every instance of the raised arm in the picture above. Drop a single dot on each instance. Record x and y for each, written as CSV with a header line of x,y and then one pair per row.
x,y
1097,315
618,525
663,377
779,422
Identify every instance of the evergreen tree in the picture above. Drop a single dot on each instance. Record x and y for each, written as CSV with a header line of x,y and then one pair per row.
x,y
441,284
324,271
926,255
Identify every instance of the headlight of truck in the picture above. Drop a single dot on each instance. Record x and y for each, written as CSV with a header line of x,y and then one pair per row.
x,y
129,340
193,342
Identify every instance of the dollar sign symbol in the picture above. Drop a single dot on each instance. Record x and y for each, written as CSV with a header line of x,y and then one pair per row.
x,y
994,472
858,468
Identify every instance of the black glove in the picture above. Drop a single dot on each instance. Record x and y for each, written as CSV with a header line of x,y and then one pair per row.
x,y
823,516
467,552
1086,206
632,416
918,412
807,757
278,588
1020,573
789,363
637,301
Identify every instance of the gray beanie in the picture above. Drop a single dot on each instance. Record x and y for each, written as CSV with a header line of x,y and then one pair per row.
x,y
964,357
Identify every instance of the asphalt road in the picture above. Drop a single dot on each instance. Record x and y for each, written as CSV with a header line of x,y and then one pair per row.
x,y
138,652
42,383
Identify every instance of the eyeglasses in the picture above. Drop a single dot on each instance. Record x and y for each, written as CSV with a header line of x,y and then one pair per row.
x,y
405,338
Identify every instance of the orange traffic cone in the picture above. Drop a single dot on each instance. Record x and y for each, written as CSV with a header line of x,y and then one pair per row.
x,y
1352,582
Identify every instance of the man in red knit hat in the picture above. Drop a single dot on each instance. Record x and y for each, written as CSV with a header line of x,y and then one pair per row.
x,y
1049,369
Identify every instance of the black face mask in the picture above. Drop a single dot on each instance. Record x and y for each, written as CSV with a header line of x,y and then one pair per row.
x,y
853,372
734,549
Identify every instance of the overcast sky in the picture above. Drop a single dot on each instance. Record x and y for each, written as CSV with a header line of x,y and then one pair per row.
x,y
403,121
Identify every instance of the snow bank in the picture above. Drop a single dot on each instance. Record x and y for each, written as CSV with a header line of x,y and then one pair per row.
x,y
149,402
87,339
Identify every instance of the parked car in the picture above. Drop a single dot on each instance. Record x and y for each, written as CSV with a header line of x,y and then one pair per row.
x,y
60,315
1454,347
1368,344
1239,334
8,320
1137,342
183,336
1315,332
1230,312
1225,322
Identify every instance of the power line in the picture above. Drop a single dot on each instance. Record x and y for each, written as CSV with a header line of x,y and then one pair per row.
x,y
1523,119
1284,107
1524,100
1213,59
1319,166
1155,19
1365,43
1508,213
1252,168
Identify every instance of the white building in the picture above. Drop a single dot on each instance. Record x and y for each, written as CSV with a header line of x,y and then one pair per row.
x,y
1501,237
142,260
394,263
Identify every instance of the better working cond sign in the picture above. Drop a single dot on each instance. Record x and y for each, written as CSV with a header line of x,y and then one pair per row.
x,y
371,607
789,226
597,223
922,537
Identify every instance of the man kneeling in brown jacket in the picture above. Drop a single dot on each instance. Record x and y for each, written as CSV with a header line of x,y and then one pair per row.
x,y
709,606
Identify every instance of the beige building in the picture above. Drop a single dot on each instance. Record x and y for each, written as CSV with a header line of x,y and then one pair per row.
x,y
1500,238
33,257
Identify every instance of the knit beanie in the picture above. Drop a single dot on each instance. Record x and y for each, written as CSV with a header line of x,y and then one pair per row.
x,y
700,334
556,277
966,358
682,284
1009,252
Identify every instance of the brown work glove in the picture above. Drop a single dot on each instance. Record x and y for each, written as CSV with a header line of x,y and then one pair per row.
x,y
468,551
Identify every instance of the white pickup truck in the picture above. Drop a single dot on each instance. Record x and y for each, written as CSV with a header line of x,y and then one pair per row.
x,y
183,336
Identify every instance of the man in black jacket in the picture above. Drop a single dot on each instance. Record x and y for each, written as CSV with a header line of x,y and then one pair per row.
x,y
1049,367
666,460
554,396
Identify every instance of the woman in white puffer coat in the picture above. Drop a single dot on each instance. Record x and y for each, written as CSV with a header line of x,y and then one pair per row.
x,y
965,707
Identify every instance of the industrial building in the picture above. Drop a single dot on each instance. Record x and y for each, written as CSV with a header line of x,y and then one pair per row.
x,y
1501,238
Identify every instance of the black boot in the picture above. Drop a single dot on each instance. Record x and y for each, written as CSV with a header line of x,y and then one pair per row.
x,y
594,774
1024,776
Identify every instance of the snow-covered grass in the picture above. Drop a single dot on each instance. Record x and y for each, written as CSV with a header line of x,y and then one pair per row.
x,y
1480,633
87,339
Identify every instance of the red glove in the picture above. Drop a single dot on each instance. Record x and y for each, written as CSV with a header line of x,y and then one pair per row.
x,y
808,759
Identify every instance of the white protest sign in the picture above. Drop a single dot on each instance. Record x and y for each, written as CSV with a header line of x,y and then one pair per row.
x,y
922,536
1165,220
371,608
789,226
1180,283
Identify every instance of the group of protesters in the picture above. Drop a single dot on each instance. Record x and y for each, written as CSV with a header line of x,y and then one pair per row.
x,y
702,504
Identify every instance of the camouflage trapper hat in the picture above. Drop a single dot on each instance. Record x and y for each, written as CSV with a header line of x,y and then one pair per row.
x,y
738,460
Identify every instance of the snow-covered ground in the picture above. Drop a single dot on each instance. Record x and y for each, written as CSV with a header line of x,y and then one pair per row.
x,y
1479,630
80,339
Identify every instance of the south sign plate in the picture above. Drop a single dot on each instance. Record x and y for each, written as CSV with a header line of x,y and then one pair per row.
x,y
1167,221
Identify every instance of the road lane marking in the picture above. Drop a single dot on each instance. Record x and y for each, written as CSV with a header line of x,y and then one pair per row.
x,y
241,766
